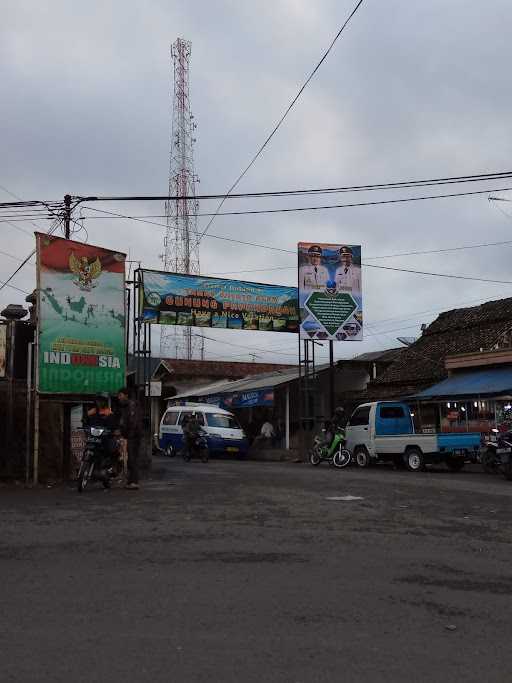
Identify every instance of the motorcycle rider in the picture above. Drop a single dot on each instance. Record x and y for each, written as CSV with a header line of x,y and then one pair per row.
x,y
100,415
191,430
336,422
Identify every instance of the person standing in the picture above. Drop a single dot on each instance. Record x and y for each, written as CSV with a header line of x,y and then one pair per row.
x,y
130,426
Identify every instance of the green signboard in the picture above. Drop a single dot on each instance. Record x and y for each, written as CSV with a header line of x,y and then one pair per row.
x,y
331,310
81,318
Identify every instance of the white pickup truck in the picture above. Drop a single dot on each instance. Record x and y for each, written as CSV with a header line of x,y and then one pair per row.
x,y
385,431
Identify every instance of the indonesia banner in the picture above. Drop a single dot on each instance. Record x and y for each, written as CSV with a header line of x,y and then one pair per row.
x,y
81,317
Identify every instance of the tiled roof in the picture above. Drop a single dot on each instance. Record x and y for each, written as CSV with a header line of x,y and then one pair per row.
x,y
461,330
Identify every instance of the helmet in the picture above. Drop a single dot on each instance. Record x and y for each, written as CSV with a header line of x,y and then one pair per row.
x,y
339,411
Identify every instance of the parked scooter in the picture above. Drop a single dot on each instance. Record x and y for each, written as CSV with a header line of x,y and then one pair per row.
x,y
335,453
497,456
100,458
198,447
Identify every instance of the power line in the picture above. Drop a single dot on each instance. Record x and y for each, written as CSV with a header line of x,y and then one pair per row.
x,y
163,225
26,260
325,207
290,106
11,256
290,251
423,272
394,185
6,284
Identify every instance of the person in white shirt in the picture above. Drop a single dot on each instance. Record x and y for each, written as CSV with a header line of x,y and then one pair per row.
x,y
313,276
267,430
348,275
266,436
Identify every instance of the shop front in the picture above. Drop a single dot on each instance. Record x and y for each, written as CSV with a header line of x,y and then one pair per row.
x,y
474,401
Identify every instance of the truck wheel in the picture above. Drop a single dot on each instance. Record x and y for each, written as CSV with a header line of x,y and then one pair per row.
x,y
362,457
454,464
414,460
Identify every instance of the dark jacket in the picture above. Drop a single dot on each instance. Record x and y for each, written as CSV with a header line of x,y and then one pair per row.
x,y
130,420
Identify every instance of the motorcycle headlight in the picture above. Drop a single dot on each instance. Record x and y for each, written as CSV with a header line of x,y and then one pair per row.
x,y
96,431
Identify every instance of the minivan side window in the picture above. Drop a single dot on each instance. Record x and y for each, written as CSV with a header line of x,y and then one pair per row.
x,y
391,412
360,417
170,418
200,416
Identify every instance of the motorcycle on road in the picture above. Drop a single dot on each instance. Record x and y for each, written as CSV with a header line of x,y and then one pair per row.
x,y
497,456
335,453
196,447
100,458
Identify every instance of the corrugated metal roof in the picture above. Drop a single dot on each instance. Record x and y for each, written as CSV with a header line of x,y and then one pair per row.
x,y
494,381
268,379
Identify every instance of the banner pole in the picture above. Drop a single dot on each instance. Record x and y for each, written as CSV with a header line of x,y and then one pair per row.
x,y
29,412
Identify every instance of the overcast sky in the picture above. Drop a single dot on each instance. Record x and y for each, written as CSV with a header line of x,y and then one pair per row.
x,y
411,90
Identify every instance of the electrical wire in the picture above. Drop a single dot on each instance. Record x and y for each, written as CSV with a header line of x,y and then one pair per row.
x,y
401,184
289,108
295,209
290,251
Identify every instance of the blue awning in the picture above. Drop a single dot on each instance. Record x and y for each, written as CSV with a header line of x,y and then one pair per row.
x,y
494,382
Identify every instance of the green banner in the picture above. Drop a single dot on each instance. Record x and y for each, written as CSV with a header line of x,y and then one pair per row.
x,y
81,318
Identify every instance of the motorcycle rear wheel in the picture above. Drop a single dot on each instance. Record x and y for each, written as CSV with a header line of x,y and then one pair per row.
x,y
341,458
314,457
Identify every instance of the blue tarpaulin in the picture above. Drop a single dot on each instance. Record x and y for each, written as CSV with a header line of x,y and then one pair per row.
x,y
495,382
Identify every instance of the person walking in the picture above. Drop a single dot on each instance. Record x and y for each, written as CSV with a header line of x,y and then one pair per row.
x,y
130,426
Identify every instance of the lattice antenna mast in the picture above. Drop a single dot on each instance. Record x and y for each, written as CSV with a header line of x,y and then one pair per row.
x,y
181,239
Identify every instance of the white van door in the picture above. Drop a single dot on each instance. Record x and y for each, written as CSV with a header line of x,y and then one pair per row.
x,y
358,429
170,432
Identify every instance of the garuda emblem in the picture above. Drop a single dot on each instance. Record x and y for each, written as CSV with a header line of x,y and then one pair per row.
x,y
86,271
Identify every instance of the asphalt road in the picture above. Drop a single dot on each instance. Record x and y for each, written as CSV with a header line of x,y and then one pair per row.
x,y
243,571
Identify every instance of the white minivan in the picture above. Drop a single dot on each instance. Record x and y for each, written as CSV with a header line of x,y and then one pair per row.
x,y
223,432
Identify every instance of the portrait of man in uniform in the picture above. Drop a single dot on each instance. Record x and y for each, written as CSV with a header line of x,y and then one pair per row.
x,y
313,276
348,274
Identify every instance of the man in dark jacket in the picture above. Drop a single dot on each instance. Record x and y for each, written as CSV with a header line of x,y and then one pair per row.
x,y
191,430
130,426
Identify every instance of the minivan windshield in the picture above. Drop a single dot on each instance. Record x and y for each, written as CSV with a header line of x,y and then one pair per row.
x,y
220,420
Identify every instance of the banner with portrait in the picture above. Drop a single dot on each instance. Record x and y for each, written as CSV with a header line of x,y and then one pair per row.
x,y
330,291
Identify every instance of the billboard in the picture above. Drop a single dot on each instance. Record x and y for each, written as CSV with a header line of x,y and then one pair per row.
x,y
3,349
81,317
330,291
194,300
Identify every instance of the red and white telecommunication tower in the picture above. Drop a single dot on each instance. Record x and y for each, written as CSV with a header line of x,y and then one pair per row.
x,y
181,240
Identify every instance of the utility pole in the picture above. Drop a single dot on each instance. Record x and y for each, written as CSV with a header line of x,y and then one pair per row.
x,y
66,408
67,215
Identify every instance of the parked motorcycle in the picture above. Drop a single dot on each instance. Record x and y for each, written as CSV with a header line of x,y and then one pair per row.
x,y
198,447
335,453
100,458
497,456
